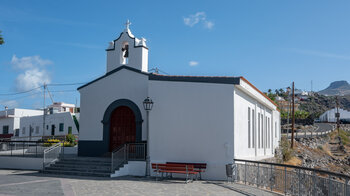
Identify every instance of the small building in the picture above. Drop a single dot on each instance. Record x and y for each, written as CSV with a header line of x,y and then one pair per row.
x,y
10,120
329,116
56,124
57,107
194,118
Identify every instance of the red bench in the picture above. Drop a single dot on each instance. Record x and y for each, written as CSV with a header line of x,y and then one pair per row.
x,y
199,167
188,170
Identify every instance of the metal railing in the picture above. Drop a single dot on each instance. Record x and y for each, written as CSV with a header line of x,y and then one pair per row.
x,y
291,180
23,148
127,152
51,154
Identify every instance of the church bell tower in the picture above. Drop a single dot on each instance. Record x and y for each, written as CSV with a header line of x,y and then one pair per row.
x,y
127,50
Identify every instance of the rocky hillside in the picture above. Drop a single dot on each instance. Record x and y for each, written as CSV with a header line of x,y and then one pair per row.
x,y
339,88
318,104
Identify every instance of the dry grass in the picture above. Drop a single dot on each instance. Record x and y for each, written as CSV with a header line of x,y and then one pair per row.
x,y
294,161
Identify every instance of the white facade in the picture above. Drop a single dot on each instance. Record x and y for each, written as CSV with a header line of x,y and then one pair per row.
x,y
194,119
329,116
55,125
11,119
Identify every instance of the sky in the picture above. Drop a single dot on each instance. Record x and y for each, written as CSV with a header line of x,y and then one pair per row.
x,y
269,42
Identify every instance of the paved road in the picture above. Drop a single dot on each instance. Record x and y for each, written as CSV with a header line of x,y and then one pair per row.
x,y
33,183
323,127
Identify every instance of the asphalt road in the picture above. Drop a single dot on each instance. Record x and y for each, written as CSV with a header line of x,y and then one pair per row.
x,y
323,127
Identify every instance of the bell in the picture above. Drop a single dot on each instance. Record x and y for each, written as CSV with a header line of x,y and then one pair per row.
x,y
126,47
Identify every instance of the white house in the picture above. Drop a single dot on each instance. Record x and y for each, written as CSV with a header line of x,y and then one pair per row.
x,y
56,124
10,120
194,118
329,116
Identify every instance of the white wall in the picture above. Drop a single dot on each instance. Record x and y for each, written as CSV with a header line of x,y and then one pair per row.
x,y
329,116
21,163
95,99
268,141
10,121
192,122
14,117
52,119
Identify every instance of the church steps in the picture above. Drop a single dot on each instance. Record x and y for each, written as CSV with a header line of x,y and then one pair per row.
x,y
78,173
82,166
97,170
83,163
61,165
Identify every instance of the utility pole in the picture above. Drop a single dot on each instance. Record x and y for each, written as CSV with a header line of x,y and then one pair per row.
x,y
293,118
337,115
44,110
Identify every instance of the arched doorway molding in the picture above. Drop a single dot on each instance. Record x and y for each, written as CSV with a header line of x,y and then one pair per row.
x,y
107,119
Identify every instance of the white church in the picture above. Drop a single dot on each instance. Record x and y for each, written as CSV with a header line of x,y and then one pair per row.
x,y
194,119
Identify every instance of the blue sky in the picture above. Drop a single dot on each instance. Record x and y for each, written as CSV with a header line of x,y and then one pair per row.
x,y
270,42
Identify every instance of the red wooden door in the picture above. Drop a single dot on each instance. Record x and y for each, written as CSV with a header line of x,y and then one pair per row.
x,y
122,127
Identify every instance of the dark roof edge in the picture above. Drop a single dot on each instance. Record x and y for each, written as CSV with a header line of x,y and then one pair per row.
x,y
130,38
112,72
203,79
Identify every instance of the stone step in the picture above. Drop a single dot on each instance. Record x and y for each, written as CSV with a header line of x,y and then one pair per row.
x,y
78,173
80,166
83,163
79,169
92,160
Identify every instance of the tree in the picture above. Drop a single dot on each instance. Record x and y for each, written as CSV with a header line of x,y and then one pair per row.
x,y
1,39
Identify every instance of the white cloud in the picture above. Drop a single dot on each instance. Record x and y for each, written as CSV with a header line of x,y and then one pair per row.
x,y
28,62
32,78
193,63
199,17
32,70
9,104
208,24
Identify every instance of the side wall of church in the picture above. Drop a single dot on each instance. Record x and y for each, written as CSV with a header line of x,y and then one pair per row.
x,y
96,97
255,128
192,122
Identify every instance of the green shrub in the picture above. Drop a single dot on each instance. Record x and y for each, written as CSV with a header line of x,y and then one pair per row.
x,y
70,138
287,152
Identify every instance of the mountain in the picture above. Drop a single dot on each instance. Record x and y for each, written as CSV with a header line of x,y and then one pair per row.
x,y
337,88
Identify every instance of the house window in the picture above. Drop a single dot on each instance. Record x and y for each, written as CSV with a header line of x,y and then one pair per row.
x,y
37,129
61,127
259,130
276,129
5,129
248,127
17,132
23,130
70,130
47,127
266,132
269,132
253,128
262,131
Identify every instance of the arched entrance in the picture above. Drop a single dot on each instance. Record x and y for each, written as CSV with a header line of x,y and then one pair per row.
x,y
122,128
115,112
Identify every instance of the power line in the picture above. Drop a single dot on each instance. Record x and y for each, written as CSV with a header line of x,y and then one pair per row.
x,y
22,92
67,84
27,91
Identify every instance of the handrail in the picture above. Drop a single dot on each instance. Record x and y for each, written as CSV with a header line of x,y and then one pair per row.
x,y
128,151
290,179
50,155
296,167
